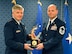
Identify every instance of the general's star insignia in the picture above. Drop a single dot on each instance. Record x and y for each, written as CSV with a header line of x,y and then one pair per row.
x,y
69,38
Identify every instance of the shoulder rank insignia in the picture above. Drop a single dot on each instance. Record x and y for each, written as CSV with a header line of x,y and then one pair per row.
x,y
62,30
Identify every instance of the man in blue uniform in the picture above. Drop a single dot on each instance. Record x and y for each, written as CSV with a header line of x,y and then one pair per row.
x,y
52,33
15,33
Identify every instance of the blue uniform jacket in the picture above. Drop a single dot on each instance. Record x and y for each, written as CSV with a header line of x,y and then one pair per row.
x,y
52,39
15,37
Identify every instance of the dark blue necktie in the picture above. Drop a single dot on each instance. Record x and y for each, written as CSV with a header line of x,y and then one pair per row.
x,y
49,25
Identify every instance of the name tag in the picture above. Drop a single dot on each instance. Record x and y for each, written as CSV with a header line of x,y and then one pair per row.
x,y
17,31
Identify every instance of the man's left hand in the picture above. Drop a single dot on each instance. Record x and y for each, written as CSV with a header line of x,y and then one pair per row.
x,y
40,46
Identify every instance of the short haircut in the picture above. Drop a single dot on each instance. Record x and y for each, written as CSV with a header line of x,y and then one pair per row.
x,y
53,5
17,7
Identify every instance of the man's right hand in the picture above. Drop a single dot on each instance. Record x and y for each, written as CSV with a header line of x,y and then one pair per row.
x,y
27,47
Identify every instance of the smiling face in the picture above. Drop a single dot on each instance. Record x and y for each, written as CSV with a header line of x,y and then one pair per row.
x,y
18,14
52,11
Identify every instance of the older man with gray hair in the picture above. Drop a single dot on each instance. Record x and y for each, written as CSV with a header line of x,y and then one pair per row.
x,y
15,33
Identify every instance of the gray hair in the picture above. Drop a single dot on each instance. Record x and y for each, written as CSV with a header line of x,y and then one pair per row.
x,y
17,7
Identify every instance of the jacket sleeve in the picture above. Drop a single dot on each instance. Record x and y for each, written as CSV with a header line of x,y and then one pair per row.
x,y
8,33
54,40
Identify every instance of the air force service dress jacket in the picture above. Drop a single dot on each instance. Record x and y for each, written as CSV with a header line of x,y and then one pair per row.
x,y
52,38
15,37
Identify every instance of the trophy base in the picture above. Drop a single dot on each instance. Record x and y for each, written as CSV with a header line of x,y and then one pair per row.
x,y
34,43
